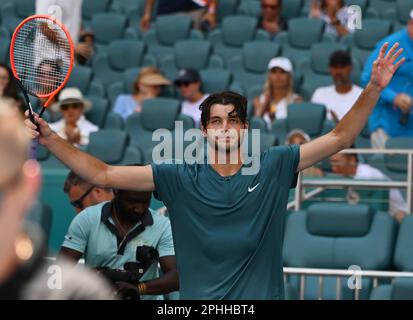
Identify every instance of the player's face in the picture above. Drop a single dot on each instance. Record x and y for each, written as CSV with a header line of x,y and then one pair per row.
x,y
224,128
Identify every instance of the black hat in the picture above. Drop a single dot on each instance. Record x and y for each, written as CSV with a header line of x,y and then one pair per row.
x,y
187,75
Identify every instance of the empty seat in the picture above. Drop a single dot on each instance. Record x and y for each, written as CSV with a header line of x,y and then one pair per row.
x,y
107,27
215,80
233,33
108,145
196,54
82,78
168,30
100,108
16,11
250,67
91,7
336,236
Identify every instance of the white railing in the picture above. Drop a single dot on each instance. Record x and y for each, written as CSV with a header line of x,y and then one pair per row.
x,y
341,275
322,183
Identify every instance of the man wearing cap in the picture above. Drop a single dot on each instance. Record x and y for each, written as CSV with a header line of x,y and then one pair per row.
x,y
392,115
73,127
339,97
189,84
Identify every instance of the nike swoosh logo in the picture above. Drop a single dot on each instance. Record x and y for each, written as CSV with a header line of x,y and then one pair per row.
x,y
253,188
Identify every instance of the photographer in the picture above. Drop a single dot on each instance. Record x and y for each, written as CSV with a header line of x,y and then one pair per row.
x,y
110,234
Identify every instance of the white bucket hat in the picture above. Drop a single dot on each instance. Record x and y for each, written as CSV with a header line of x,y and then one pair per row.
x,y
71,95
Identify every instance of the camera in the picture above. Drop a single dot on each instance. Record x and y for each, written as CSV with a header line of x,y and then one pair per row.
x,y
131,273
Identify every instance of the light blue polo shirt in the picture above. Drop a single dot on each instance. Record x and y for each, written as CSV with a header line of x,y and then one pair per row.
x,y
89,235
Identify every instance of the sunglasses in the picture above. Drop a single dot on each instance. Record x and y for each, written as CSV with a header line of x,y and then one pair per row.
x,y
75,106
78,204
183,84
269,6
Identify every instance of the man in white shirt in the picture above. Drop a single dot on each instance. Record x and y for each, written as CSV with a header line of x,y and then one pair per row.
x,y
348,165
73,127
189,84
339,97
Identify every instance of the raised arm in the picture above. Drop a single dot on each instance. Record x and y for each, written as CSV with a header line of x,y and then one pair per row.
x,y
89,168
347,130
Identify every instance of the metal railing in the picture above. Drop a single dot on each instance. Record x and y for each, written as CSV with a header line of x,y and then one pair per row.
x,y
340,276
323,183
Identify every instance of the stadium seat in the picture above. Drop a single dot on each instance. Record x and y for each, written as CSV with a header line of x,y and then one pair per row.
x,y
42,215
382,6
363,41
400,288
81,77
100,108
363,140
306,116
108,145
124,85
195,54
301,35
114,121
166,31
15,12
107,27
400,14
215,80
226,8
233,33
121,55
132,155
141,126
250,67
336,236
249,8
91,7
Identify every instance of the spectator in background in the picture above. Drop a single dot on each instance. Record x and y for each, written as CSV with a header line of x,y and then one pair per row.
x,y
202,12
148,85
8,88
392,115
189,84
339,97
349,166
74,127
82,194
334,13
70,14
271,19
298,136
278,91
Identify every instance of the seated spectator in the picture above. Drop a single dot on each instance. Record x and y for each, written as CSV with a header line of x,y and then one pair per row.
x,y
298,136
334,13
8,88
349,166
74,127
278,91
271,19
109,235
203,13
339,97
189,84
82,194
148,85
70,14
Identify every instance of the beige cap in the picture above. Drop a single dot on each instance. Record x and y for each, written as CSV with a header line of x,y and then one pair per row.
x,y
154,79
71,95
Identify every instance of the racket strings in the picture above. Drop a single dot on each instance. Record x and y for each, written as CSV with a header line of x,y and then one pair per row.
x,y
42,56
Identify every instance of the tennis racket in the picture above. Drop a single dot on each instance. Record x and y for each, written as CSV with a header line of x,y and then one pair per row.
x,y
41,58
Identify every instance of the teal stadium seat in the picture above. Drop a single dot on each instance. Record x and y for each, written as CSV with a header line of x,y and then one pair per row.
x,y
91,7
196,54
82,78
97,114
14,12
382,6
400,288
234,31
362,42
168,30
337,236
114,121
141,126
107,27
249,8
124,85
249,68
400,14
110,146
42,215
226,8
215,80
301,35
121,55
306,116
